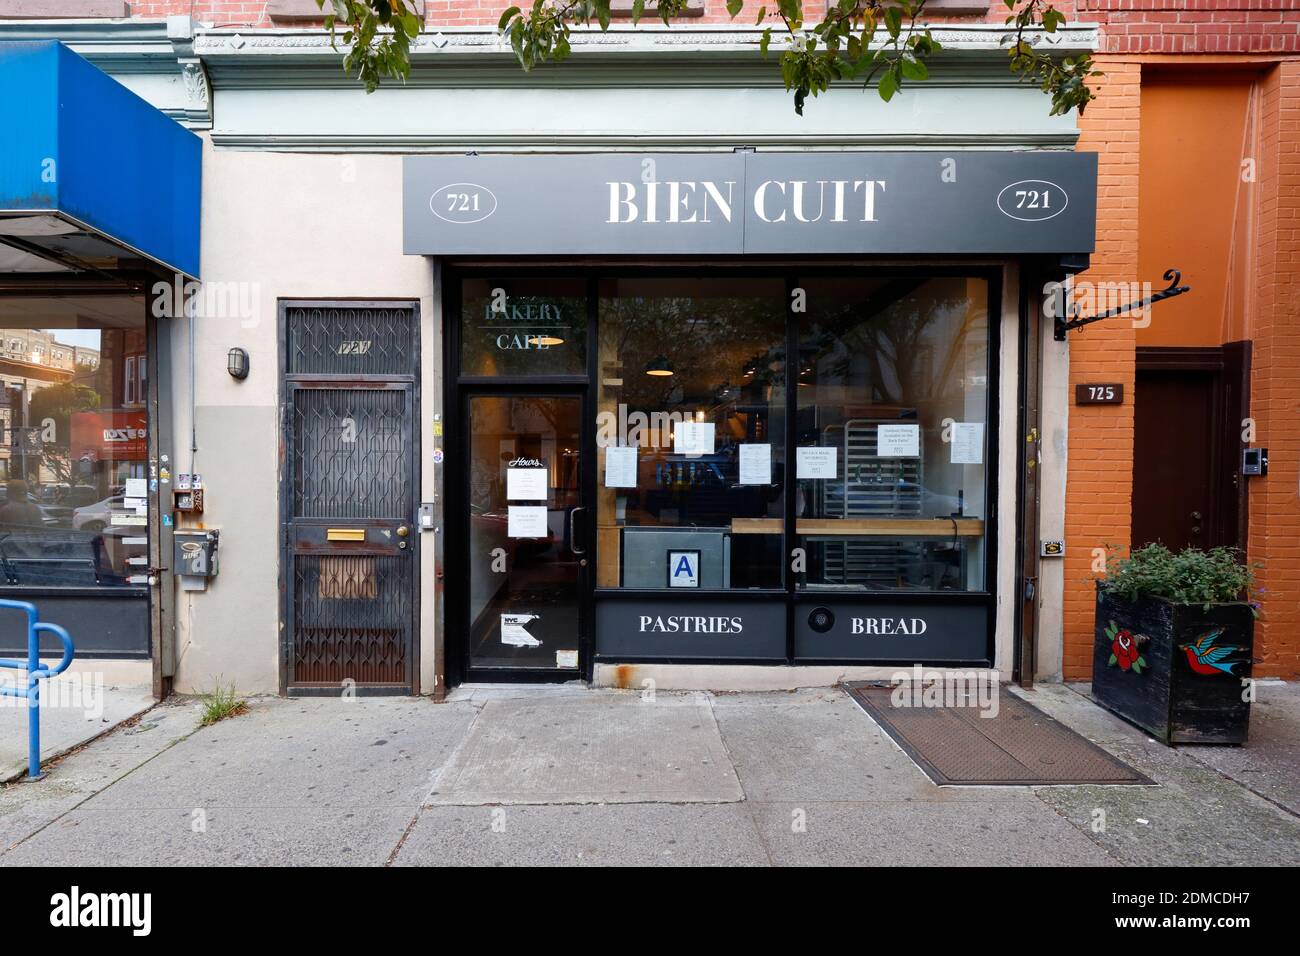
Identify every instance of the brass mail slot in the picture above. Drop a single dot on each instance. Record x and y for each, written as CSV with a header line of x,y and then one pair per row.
x,y
345,534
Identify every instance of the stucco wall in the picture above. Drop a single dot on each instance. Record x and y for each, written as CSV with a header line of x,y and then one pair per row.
x,y
286,226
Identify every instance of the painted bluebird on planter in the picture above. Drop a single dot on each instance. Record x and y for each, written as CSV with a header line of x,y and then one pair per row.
x,y
1207,657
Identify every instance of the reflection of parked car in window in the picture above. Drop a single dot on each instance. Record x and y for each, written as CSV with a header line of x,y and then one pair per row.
x,y
50,514
96,517
80,496
493,526
65,496
54,492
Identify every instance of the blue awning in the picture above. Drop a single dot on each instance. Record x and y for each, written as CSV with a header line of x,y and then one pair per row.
x,y
90,174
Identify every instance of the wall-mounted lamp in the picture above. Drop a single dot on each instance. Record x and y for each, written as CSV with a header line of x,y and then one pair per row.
x,y
237,364
659,366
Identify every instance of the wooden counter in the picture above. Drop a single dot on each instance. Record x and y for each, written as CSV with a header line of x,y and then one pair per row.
x,y
879,527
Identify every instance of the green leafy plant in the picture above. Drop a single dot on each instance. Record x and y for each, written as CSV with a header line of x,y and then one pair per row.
x,y
871,41
880,43
1190,576
378,35
221,703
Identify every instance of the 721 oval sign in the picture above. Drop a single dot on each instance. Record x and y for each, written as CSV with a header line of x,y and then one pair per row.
x,y
1032,200
463,202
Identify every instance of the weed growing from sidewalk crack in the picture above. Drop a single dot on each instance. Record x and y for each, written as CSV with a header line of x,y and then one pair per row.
x,y
221,703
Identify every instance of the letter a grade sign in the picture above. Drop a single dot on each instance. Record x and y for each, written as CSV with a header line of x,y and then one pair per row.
x,y
683,569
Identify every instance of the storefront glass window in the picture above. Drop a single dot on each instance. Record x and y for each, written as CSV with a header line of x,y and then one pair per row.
x,y
512,326
690,433
892,433
73,456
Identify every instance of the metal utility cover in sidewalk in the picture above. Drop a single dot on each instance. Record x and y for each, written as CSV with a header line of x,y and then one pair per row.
x,y
593,748
1020,746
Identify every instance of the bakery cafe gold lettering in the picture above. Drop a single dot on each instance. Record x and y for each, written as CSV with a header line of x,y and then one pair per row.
x,y
690,624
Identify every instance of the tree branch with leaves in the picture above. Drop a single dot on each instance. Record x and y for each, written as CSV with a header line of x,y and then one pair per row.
x,y
377,35
877,43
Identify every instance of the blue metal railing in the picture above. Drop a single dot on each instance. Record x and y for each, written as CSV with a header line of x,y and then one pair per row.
x,y
35,671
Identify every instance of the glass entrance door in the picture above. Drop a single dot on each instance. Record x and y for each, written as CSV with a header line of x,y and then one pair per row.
x,y
528,529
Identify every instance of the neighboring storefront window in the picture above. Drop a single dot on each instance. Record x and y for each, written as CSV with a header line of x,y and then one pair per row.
x,y
691,433
73,456
892,432
524,327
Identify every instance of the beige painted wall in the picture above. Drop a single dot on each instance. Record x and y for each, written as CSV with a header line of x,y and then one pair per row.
x,y
286,226
1054,415
1008,451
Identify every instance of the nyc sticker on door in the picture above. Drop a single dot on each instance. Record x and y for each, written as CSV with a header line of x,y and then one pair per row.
x,y
683,569
514,630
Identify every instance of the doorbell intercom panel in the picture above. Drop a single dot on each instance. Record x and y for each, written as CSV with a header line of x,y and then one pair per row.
x,y
1254,461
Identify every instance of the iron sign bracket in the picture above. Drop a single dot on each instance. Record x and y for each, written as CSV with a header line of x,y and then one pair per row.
x,y
1172,276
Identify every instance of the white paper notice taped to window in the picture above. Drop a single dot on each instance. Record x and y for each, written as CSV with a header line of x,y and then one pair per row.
x,y
968,443
566,659
898,441
526,521
514,630
526,484
693,438
620,467
818,463
136,487
755,464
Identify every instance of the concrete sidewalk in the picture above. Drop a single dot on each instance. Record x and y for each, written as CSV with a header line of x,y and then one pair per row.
x,y
74,708
575,776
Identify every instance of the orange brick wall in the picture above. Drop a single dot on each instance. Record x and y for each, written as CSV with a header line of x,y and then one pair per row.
x,y
1275,385
1099,483
1196,26
1101,438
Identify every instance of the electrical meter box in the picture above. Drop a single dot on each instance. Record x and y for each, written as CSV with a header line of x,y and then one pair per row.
x,y
195,553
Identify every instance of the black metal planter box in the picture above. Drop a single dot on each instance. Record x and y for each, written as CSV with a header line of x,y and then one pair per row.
x,y
1175,670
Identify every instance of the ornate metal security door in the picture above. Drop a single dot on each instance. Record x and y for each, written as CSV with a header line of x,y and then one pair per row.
x,y
349,479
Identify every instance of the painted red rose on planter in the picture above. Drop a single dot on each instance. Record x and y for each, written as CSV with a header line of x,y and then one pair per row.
x,y
1124,649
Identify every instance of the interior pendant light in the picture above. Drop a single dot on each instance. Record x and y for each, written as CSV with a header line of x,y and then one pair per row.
x,y
547,340
659,366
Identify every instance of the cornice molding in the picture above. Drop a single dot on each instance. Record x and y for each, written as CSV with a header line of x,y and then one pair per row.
x,y
647,56
177,64
646,39
155,57
530,141
630,72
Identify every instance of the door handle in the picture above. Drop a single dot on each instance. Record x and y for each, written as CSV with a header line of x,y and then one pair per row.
x,y
573,541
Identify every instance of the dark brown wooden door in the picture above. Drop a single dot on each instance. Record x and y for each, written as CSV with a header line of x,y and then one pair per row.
x,y
1174,497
